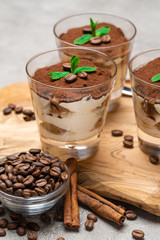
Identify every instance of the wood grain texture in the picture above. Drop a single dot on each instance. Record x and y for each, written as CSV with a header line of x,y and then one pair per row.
x,y
114,171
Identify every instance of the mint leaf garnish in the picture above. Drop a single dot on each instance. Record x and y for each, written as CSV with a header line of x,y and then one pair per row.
x,y
93,27
74,63
85,69
82,40
156,78
58,75
102,31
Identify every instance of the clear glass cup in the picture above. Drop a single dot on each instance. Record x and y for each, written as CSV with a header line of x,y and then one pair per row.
x,y
120,53
146,107
70,128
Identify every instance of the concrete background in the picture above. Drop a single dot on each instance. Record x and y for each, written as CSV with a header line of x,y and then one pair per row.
x,y
26,29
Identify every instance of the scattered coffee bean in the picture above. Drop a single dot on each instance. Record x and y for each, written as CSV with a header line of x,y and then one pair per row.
x,y
106,38
117,133
32,235
70,78
67,67
153,159
95,40
127,144
138,234
89,224
21,231
28,112
12,106
128,138
3,223
131,215
45,217
61,238
7,111
27,118
35,151
2,232
14,216
87,30
18,110
33,226
2,211
12,225
82,75
92,217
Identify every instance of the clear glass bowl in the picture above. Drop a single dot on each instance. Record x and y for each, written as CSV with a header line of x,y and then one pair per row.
x,y
33,205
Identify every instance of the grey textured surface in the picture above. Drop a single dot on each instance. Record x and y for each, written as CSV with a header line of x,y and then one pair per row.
x,y
26,29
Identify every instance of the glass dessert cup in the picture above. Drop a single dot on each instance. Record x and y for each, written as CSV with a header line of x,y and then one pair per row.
x,y
146,99
33,205
120,53
72,127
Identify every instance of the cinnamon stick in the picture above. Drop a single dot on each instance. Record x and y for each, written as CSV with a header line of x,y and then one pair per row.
x,y
101,199
71,209
99,207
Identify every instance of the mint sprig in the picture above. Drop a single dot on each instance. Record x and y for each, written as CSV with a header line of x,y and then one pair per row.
x,y
156,78
95,33
74,64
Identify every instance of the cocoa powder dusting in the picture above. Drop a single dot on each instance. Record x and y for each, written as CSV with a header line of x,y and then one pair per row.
x,y
99,76
146,73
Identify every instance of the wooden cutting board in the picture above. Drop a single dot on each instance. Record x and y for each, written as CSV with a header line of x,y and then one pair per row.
x,y
114,172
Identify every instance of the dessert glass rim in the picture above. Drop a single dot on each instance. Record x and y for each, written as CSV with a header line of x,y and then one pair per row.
x,y
43,197
102,13
132,71
66,48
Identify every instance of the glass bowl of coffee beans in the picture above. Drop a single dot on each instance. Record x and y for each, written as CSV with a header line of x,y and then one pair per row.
x,y
32,182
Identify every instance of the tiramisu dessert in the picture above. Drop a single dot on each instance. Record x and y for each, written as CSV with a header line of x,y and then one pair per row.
x,y
146,95
102,36
70,101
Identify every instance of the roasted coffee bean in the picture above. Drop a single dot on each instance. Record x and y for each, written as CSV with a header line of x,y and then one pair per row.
x,y
47,177
70,78
61,238
153,159
15,172
12,225
64,176
31,169
95,40
92,217
41,182
11,157
52,182
20,178
45,170
36,173
21,231
4,177
34,193
57,185
14,216
18,185
27,193
55,171
45,217
9,169
8,183
138,234
87,30
18,110
2,232
40,191
24,167
32,235
89,224
131,215
18,192
28,180
22,153
12,106
117,133
10,176
128,138
38,164
9,190
2,211
33,226
55,159
127,144
82,75
2,170
67,67
27,118
16,162
3,186
45,161
56,164
22,222
7,111
35,151
47,188
3,222
106,38
28,112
